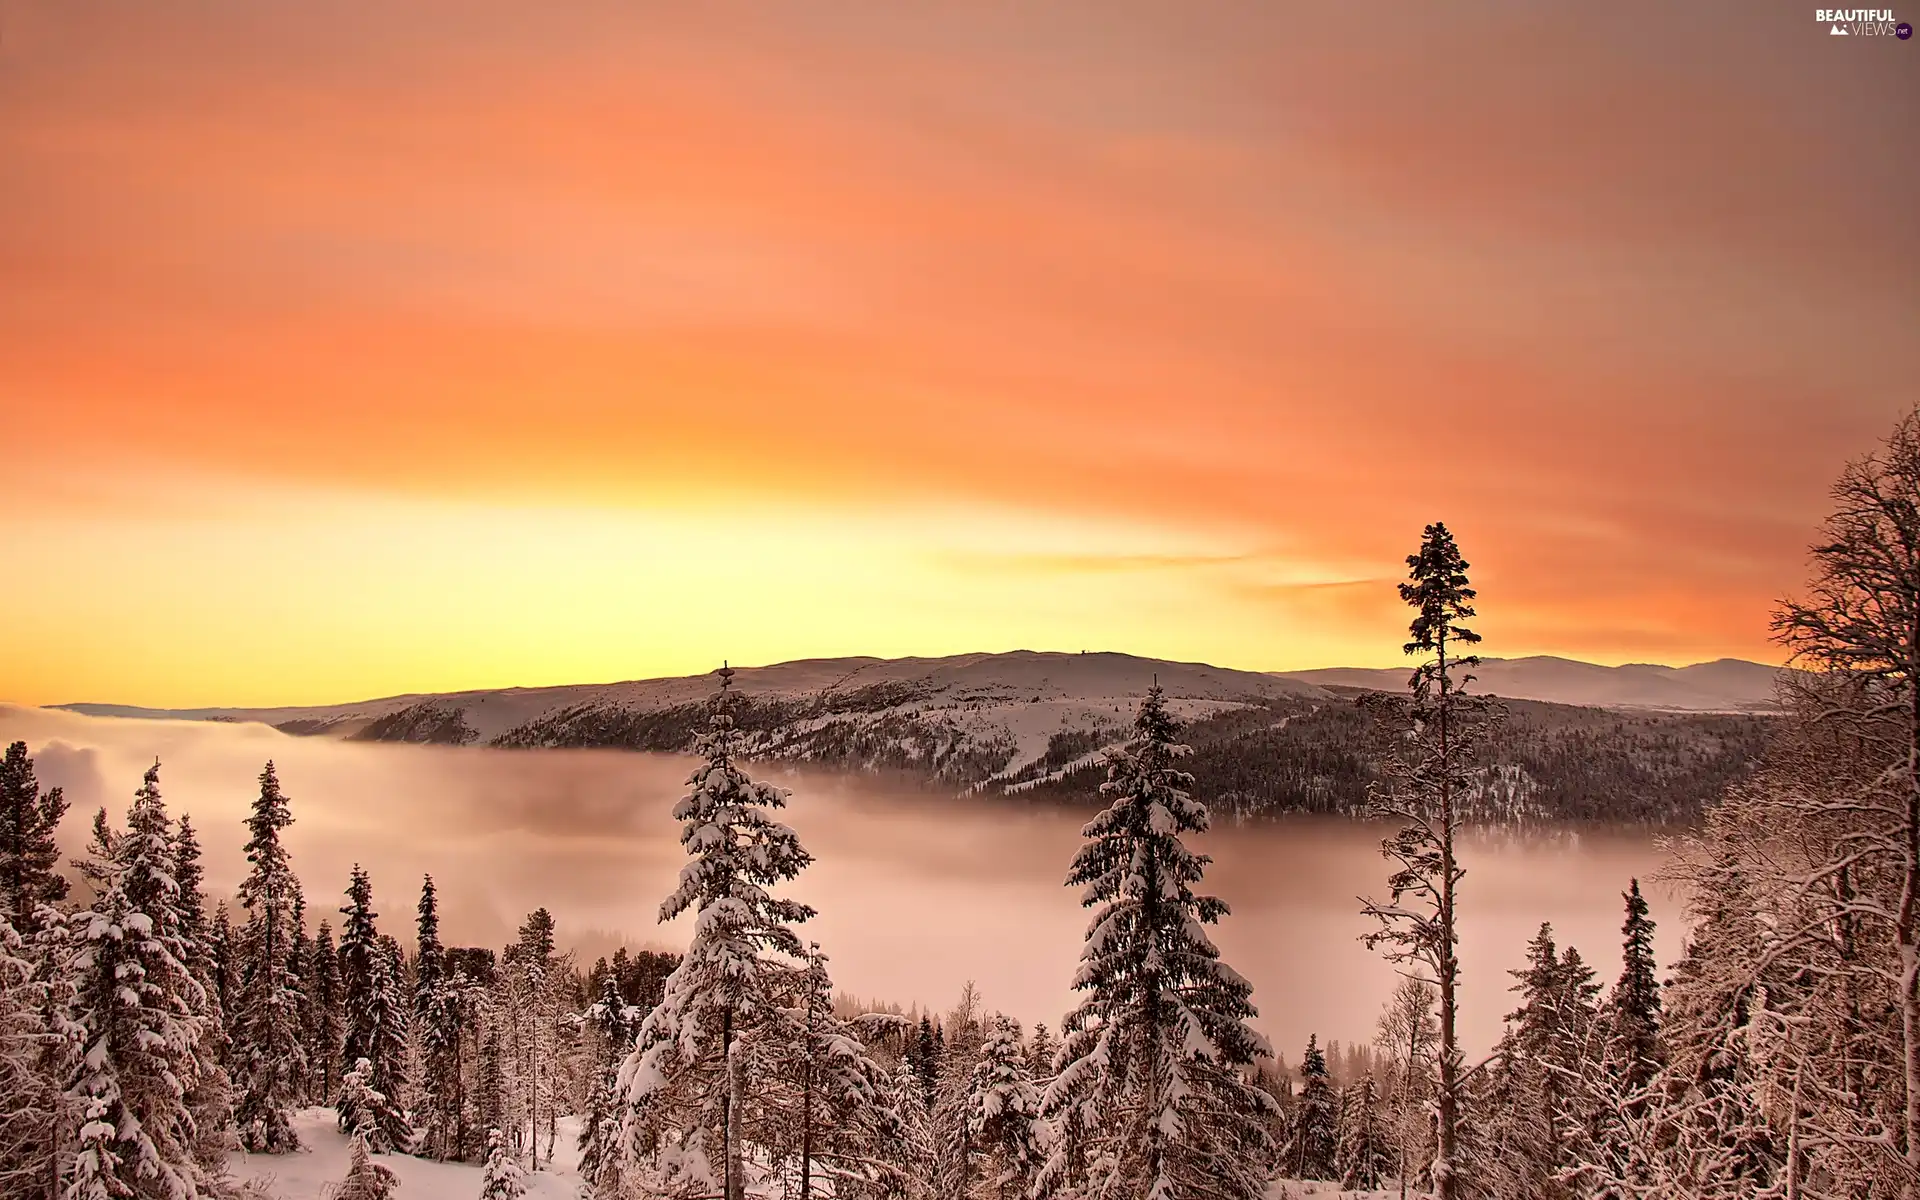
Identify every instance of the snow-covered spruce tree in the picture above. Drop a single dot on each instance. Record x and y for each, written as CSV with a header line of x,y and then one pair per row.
x,y
924,1057
364,1111
26,1099
471,970
268,1052
1003,1111
599,1139
52,952
326,1031
374,1031
957,1043
33,892
1313,1138
1531,1113
436,1024
190,899
1150,1062
489,1091
210,1096
507,1003
136,1003
825,1096
536,1012
1431,768
1407,1037
501,1178
365,1179
1365,1158
911,1153
686,1087
610,1023
29,854
299,962
223,948
1040,1051
1633,1010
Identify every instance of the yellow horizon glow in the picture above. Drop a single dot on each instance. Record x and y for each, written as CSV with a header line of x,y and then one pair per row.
x,y
322,597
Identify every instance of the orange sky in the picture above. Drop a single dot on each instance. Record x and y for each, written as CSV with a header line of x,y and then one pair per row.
x,y
355,349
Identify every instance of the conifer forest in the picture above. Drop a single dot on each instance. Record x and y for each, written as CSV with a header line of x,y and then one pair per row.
x,y
158,1042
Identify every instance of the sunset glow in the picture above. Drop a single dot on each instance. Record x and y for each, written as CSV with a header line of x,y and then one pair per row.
x,y
348,351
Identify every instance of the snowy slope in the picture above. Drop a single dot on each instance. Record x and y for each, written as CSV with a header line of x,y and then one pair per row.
x,y
1725,685
311,1173
1016,676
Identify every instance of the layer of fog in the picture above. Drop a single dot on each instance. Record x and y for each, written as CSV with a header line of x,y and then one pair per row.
x,y
917,893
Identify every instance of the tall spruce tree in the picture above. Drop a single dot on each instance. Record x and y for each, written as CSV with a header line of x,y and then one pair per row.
x,y
1040,1053
136,1006
911,1152
210,1096
1152,1060
1365,1156
1428,773
365,1180
374,1029
533,960
1533,1108
223,950
834,1089
299,963
326,1016
1003,1111
436,1021
611,1022
1314,1139
924,1057
29,854
1633,1009
490,1084
268,1048
27,1103
190,892
687,1086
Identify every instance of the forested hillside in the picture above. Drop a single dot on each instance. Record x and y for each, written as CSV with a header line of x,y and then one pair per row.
x,y
1264,758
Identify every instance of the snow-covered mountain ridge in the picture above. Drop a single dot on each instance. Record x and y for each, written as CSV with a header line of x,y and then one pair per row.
x,y
1724,685
1035,725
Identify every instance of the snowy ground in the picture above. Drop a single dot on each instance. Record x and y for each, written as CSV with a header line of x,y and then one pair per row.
x,y
1294,1189
310,1174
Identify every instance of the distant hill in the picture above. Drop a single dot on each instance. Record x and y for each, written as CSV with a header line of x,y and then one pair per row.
x,y
1038,725
1022,698
1724,685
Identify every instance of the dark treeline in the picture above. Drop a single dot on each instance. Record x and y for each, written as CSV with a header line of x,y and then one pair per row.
x,y
1546,764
